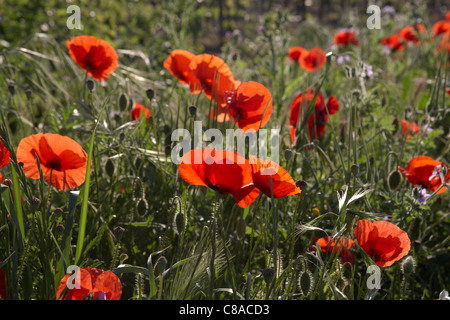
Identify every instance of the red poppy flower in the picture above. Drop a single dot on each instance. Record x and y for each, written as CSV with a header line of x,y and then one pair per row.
x,y
294,53
177,63
93,55
268,176
312,60
224,171
250,105
445,43
93,283
60,157
410,128
441,27
447,16
136,111
318,118
409,33
383,241
341,245
214,75
344,38
393,42
424,171
4,155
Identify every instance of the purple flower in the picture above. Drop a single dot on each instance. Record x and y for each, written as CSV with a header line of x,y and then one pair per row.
x,y
423,196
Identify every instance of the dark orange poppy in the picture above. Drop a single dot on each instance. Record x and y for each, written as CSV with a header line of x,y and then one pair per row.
x,y
440,27
60,157
93,283
214,75
424,171
294,53
224,171
342,245
93,55
393,42
411,128
177,63
383,241
4,155
312,60
318,119
250,105
268,176
136,111
345,38
409,33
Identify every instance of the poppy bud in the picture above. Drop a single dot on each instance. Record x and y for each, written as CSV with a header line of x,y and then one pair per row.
x,y
35,203
12,89
121,136
90,84
179,223
28,93
354,169
118,232
57,212
301,184
408,265
395,178
160,265
123,102
268,275
60,228
288,154
123,257
192,110
150,93
305,283
142,207
109,167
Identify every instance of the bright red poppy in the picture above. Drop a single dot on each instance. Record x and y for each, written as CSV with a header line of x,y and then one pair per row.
x,y
312,60
136,111
294,53
344,38
60,157
440,27
270,178
93,283
4,155
318,119
393,42
177,63
424,171
214,75
250,105
410,128
342,245
409,33
93,55
224,171
383,241
447,16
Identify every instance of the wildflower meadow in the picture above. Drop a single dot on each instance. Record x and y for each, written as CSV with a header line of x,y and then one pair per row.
x,y
239,151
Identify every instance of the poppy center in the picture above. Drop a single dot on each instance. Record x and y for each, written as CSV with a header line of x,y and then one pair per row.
x,y
54,164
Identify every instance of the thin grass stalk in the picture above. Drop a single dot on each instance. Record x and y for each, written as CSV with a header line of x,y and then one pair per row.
x,y
84,204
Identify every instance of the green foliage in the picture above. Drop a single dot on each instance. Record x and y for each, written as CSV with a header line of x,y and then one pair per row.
x,y
211,247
